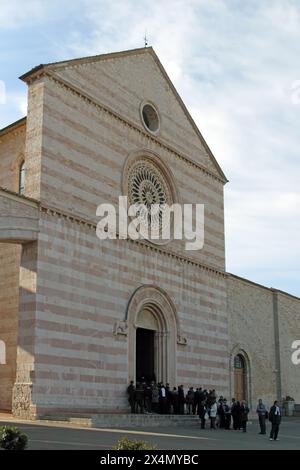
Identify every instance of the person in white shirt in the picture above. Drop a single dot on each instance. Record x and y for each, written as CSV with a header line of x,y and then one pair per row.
x,y
213,415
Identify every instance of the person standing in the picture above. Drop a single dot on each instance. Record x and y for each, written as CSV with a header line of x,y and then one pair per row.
x,y
261,410
190,400
213,414
139,398
181,399
155,398
227,414
203,413
234,414
163,400
131,396
148,397
244,415
175,401
275,419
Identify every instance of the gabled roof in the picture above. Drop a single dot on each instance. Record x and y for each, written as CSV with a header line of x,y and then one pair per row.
x,y
13,126
36,71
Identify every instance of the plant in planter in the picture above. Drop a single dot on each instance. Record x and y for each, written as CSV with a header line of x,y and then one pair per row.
x,y
288,404
288,398
130,444
11,438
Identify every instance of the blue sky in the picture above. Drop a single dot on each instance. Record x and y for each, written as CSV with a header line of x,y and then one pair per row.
x,y
236,65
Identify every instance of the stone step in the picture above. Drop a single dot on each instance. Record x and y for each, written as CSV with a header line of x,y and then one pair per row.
x,y
124,420
145,420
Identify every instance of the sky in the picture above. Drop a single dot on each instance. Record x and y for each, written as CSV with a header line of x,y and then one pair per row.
x,y
236,65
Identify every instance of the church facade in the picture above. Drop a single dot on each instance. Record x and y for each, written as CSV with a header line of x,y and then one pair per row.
x,y
81,317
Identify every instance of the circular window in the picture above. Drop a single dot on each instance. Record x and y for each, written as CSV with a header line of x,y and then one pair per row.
x,y
147,187
150,117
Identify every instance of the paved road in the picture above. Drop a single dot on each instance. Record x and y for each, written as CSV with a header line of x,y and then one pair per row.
x,y
53,436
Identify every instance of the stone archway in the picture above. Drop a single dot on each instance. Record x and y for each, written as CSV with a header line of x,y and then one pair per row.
x,y
151,308
240,374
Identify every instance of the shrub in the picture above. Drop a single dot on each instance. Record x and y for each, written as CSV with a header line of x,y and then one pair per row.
x,y
288,398
130,444
11,438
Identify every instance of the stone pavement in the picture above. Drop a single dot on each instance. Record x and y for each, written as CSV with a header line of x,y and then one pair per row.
x,y
67,436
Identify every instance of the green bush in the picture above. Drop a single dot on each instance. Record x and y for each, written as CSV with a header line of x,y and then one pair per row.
x,y
11,438
130,444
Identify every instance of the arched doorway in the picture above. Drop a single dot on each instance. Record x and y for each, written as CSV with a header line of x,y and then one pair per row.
x,y
240,375
152,335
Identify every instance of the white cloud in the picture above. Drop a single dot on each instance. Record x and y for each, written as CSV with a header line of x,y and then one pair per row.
x,y
15,105
15,14
234,65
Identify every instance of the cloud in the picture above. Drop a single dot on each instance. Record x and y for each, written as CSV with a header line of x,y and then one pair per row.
x,y
15,14
234,64
15,105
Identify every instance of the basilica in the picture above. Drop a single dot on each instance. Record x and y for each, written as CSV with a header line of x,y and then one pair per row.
x,y
81,317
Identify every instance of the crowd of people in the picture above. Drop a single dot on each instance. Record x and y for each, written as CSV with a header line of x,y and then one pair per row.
x,y
160,398
149,397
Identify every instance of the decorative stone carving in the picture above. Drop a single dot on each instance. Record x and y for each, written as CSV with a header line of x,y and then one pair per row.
x,y
146,185
181,339
121,328
21,403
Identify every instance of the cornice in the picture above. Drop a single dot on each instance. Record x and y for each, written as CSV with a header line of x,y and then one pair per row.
x,y
271,290
16,128
125,121
19,197
142,243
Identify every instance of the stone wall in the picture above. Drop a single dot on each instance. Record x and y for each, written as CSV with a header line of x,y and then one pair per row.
x,y
251,327
289,331
263,323
84,287
85,148
12,146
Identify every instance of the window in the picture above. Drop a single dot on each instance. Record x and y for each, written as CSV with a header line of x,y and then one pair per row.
x,y
150,118
239,362
22,178
2,353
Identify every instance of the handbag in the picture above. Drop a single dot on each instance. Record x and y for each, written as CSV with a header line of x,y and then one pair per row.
x,y
267,415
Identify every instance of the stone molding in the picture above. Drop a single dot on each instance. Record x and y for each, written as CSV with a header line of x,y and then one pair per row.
x,y
126,122
142,243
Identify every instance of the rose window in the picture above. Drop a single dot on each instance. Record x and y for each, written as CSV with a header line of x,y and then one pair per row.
x,y
148,187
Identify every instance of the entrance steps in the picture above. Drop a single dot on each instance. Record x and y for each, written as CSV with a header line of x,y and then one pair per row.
x,y
115,420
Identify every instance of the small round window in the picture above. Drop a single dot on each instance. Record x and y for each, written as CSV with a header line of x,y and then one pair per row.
x,y
150,117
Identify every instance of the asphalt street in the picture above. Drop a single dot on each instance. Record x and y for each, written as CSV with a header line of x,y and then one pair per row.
x,y
64,437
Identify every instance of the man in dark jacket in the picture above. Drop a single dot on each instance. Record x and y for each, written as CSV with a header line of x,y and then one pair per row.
x,y
235,410
131,396
181,399
275,419
244,410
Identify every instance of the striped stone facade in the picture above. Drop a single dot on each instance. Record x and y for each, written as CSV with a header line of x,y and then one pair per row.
x,y
78,298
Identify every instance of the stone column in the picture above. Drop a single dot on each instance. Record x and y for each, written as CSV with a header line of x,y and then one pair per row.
x,y
22,405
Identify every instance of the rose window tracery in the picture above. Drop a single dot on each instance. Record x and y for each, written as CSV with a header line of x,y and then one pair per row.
x,y
148,189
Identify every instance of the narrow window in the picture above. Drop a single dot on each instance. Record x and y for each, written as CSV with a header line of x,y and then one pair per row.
x,y
2,353
22,178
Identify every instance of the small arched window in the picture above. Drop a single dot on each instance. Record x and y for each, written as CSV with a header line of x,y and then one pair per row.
x,y
22,178
239,362
2,353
